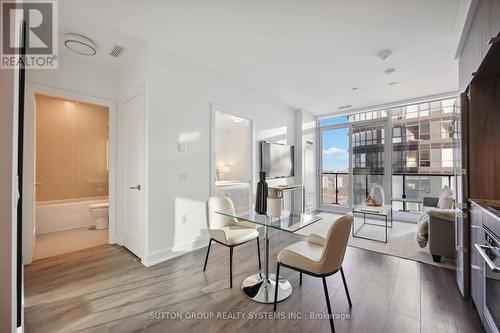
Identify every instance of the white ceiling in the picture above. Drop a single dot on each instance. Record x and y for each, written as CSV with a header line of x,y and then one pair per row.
x,y
306,54
226,121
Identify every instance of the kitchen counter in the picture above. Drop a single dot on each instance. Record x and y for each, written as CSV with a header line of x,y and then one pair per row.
x,y
488,206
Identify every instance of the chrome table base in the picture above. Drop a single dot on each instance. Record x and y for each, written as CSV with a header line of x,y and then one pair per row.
x,y
261,290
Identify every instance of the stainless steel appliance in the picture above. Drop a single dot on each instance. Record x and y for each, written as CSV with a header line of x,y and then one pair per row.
x,y
462,216
490,252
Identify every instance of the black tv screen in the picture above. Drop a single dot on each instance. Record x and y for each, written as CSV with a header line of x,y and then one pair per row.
x,y
277,160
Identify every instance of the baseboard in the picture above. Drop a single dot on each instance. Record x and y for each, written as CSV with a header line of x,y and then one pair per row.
x,y
180,249
81,226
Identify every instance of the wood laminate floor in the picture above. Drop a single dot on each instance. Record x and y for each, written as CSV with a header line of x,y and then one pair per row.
x,y
105,289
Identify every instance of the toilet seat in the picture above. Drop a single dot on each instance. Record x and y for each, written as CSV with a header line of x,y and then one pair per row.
x,y
100,211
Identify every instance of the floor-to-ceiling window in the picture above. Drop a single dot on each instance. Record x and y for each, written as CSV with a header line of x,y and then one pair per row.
x,y
422,151
356,151
335,161
352,156
368,160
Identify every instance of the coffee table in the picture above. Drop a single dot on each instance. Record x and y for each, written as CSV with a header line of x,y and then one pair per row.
x,y
381,211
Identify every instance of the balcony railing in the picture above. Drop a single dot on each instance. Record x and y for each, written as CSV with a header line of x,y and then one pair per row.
x,y
408,189
335,188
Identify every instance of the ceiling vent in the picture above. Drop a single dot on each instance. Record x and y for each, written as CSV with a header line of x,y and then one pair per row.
x,y
345,107
116,51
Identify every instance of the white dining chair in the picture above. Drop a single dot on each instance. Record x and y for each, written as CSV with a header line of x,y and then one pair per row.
x,y
319,257
228,231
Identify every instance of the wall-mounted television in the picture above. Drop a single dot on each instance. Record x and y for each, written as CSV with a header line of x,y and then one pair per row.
x,y
277,160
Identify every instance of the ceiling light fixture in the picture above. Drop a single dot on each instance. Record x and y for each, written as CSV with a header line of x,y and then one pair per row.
x,y
384,54
345,106
80,44
392,83
354,88
237,119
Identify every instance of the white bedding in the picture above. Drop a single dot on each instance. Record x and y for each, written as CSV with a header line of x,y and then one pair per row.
x,y
238,192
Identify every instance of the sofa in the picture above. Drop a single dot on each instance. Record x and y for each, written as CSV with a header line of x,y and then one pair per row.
x,y
441,229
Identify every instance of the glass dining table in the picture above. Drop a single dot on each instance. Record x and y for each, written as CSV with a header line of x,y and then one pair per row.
x,y
261,285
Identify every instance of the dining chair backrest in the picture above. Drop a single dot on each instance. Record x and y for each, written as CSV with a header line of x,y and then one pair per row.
x,y
335,244
218,221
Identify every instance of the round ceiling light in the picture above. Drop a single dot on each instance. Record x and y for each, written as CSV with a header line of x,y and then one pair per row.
x,y
80,44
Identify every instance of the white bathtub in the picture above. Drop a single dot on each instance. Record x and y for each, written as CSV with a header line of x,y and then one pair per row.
x,y
65,214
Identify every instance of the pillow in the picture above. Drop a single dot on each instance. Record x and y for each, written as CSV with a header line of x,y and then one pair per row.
x,y
423,231
445,198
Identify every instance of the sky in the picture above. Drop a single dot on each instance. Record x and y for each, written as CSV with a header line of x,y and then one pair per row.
x,y
335,146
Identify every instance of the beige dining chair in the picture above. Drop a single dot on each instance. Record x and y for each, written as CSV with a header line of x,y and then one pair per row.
x,y
228,231
319,257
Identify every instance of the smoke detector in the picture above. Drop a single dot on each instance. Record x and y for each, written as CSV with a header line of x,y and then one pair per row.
x,y
116,51
389,71
384,54
80,44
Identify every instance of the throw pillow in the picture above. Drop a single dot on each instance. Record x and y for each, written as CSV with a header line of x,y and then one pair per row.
x,y
423,231
445,198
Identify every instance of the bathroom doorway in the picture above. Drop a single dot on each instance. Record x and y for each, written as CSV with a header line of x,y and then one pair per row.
x,y
70,174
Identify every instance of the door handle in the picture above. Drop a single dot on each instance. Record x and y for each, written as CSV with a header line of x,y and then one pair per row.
x,y
491,265
138,187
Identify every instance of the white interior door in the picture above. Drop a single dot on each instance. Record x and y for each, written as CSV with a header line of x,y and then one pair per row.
x,y
133,174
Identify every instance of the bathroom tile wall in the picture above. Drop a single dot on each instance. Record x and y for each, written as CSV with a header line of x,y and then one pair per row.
x,y
71,149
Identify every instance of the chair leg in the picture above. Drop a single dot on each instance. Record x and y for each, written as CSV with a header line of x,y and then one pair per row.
x,y
208,251
328,304
345,287
276,286
300,279
230,267
258,252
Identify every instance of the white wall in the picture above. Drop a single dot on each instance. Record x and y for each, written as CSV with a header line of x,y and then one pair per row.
x,y
180,95
78,75
305,157
310,168
8,215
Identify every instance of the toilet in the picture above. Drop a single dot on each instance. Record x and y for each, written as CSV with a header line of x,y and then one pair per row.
x,y
100,212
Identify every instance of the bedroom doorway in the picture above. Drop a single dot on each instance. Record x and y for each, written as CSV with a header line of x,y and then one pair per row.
x,y
231,159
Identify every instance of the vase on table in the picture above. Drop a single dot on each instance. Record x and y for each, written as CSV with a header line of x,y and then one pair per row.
x,y
378,195
261,195
274,203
